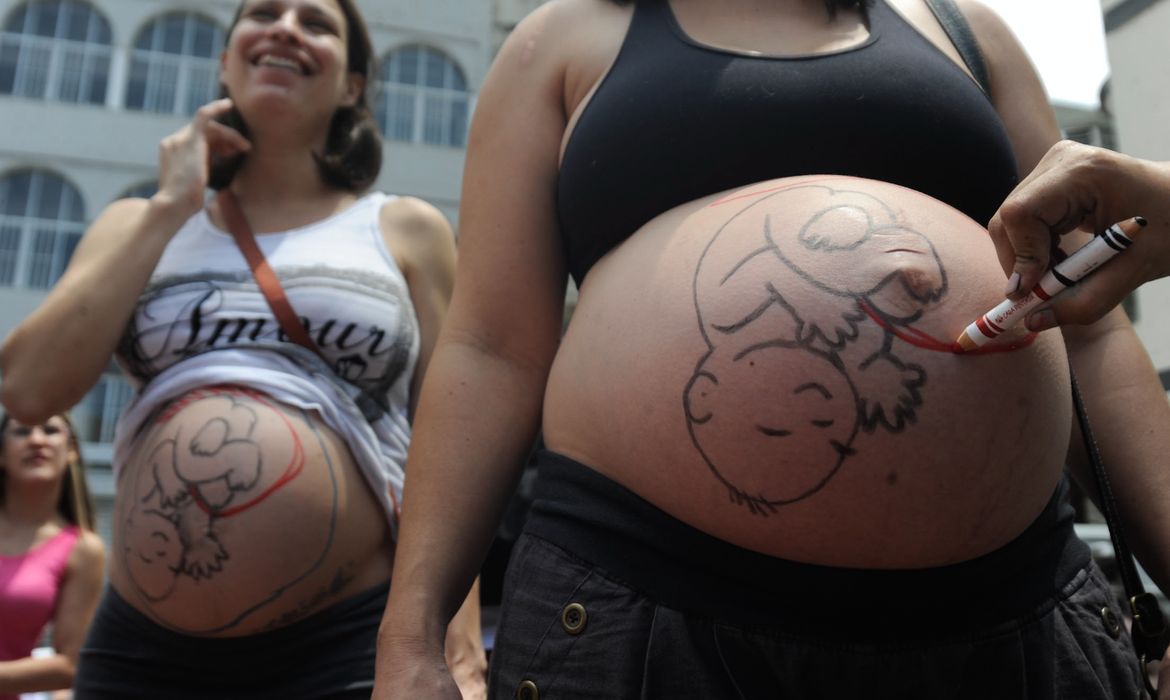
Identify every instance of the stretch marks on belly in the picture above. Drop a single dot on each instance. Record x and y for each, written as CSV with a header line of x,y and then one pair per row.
x,y
800,297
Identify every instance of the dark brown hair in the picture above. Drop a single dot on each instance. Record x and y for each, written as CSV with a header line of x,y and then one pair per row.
x,y
75,504
353,150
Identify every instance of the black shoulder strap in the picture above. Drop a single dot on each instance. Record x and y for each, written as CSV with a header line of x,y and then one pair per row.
x,y
956,27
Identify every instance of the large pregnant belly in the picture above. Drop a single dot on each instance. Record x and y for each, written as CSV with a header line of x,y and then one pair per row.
x,y
236,514
775,366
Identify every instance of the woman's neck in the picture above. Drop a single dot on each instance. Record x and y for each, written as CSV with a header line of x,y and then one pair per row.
x,y
273,173
283,193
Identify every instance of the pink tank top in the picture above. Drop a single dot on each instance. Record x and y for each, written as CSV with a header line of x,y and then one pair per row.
x,y
29,584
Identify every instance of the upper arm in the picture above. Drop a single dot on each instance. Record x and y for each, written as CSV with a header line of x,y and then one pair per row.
x,y
421,239
1017,91
510,257
80,590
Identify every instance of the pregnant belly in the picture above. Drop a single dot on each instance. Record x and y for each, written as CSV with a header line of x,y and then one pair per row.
x,y
776,366
236,514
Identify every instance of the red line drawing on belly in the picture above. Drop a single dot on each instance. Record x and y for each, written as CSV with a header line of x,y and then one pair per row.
x,y
925,341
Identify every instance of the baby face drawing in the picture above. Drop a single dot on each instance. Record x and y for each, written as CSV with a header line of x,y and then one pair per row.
x,y
775,422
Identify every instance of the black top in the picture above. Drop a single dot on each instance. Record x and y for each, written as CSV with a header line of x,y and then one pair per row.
x,y
674,121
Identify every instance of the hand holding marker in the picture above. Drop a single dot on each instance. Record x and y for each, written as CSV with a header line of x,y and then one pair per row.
x,y
1095,253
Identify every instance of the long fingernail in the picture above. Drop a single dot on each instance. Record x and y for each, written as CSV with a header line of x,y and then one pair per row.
x,y
1013,284
1041,320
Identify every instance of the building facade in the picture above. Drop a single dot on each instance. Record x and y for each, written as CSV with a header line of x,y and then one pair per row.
x,y
88,88
1140,108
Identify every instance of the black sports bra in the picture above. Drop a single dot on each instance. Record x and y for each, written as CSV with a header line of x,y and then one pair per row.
x,y
674,121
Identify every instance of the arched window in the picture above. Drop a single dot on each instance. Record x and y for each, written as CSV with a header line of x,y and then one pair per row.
x,y
174,65
423,98
42,218
56,50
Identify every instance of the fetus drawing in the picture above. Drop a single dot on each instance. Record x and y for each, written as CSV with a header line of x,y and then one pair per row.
x,y
197,476
799,320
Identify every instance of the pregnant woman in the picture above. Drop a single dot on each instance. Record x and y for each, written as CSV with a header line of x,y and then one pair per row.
x,y
768,474
257,480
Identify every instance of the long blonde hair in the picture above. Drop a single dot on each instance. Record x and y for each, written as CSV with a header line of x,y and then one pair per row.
x,y
75,504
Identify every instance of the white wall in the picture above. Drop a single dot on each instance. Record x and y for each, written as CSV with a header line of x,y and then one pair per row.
x,y
1140,103
1139,98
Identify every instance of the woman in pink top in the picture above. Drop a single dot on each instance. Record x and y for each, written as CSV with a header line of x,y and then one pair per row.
x,y
51,562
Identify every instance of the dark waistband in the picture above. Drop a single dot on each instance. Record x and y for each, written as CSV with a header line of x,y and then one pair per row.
x,y
330,654
339,619
598,520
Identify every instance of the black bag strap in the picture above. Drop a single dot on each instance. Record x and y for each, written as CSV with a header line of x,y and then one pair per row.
x,y
956,27
1149,632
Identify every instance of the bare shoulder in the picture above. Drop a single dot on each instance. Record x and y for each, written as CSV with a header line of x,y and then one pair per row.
x,y
989,27
980,15
419,236
89,551
564,37
414,217
560,23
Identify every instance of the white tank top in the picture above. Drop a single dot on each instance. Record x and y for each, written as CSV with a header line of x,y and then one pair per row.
x,y
202,320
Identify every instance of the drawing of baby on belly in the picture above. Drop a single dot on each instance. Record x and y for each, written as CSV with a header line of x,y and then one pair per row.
x,y
200,475
799,296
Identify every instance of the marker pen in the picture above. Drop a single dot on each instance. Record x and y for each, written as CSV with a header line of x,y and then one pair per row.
x,y
1095,253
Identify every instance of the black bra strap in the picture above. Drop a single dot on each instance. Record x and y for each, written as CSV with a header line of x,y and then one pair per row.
x,y
956,27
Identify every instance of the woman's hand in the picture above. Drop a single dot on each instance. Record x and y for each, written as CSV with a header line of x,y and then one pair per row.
x,y
449,669
1083,187
465,654
471,677
185,156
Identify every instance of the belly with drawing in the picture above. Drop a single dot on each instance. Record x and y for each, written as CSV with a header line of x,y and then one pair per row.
x,y
776,366
236,514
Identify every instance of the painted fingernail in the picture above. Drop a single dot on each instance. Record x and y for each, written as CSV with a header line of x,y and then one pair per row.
x,y
1041,321
1013,284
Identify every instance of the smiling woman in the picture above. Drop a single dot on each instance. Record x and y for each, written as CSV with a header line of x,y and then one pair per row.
x,y
258,480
